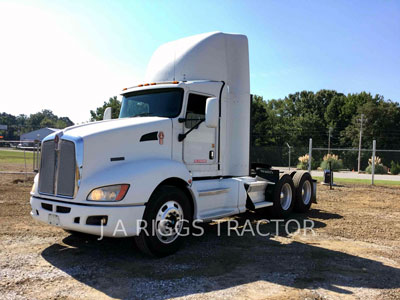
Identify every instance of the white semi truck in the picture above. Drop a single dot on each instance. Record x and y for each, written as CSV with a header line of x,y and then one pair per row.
x,y
178,152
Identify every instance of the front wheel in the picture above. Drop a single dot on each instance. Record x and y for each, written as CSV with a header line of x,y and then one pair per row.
x,y
166,221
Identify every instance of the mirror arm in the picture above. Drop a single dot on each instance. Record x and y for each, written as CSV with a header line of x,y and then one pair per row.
x,y
182,136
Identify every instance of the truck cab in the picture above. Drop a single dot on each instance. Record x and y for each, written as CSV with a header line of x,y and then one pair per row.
x,y
178,152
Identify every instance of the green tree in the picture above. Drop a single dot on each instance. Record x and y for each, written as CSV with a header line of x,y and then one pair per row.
x,y
303,115
334,116
47,123
22,123
10,121
262,122
115,105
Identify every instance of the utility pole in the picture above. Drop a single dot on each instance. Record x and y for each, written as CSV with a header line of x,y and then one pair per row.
x,y
290,148
309,155
373,161
329,139
359,144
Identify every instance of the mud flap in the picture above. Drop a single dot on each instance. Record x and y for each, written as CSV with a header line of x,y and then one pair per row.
x,y
314,198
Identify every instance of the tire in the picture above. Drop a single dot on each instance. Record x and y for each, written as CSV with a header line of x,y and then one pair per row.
x,y
166,206
304,191
290,173
283,197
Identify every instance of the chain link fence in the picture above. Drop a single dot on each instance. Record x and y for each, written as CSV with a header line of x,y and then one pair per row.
x,y
348,158
387,161
19,157
277,156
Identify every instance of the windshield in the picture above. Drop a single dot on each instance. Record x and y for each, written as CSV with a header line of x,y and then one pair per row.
x,y
158,102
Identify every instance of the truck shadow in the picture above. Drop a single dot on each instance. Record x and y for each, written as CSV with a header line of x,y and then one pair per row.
x,y
211,262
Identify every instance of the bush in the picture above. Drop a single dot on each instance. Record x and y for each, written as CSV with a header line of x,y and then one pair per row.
x,y
394,168
302,166
303,163
379,167
336,163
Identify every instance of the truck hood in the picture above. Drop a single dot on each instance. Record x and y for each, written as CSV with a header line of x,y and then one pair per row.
x,y
107,144
94,128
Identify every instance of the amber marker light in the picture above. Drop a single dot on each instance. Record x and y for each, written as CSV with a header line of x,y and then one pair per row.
x,y
122,192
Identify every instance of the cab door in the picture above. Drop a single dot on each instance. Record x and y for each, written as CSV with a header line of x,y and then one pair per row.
x,y
199,146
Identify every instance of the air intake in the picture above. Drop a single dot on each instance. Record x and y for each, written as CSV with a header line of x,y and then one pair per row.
x,y
57,169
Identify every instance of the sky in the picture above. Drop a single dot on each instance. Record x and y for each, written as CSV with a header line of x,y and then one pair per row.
x,y
71,56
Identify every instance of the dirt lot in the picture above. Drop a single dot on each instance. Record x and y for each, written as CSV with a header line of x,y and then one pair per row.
x,y
354,254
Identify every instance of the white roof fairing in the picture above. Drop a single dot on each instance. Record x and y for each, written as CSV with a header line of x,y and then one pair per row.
x,y
210,56
214,56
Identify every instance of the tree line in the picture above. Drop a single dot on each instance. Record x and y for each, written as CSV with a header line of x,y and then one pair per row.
x,y
304,115
21,124
291,120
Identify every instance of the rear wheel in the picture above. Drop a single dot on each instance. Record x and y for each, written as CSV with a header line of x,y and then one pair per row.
x,y
167,218
283,197
304,191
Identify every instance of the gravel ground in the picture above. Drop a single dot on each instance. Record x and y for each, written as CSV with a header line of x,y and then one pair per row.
x,y
354,254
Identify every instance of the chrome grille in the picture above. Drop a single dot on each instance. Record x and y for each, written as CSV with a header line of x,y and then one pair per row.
x,y
58,169
47,168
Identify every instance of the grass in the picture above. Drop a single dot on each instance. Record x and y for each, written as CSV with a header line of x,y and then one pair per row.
x,y
16,156
360,181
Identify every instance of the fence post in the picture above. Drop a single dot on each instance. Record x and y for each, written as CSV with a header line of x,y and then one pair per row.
x,y
33,157
26,174
38,153
37,156
373,161
309,155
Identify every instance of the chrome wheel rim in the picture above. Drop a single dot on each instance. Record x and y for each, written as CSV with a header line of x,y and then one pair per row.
x,y
169,222
306,192
286,196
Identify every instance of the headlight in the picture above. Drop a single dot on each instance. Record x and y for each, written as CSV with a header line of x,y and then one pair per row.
x,y
109,193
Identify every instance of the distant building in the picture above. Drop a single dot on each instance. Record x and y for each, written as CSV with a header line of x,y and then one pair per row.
x,y
39,134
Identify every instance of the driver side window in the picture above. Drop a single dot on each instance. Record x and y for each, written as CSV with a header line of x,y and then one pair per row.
x,y
196,109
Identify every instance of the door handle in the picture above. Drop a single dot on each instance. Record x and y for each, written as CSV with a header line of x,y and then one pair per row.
x,y
211,154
